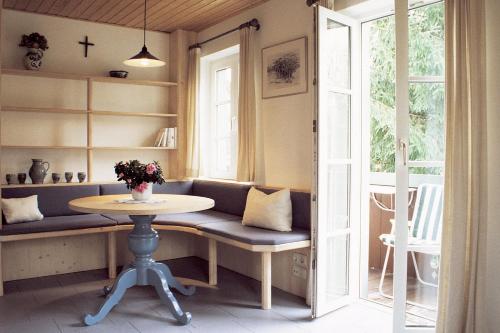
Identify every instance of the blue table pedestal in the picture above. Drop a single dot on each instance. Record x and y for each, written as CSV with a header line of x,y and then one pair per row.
x,y
142,242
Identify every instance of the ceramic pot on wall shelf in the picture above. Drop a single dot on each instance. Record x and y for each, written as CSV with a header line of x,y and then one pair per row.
x,y
69,176
33,59
21,177
38,171
56,177
10,178
81,176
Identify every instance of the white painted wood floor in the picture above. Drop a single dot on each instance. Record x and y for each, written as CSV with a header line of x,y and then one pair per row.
x,y
56,304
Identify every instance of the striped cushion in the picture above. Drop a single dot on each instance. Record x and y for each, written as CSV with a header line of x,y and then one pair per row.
x,y
388,239
428,214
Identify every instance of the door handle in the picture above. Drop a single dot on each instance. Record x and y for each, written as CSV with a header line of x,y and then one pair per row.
x,y
404,148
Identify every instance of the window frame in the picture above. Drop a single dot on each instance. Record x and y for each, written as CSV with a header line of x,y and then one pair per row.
x,y
228,58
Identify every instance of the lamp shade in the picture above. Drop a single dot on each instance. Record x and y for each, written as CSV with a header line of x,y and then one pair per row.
x,y
144,59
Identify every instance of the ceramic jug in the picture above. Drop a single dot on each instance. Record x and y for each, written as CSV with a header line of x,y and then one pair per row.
x,y
38,171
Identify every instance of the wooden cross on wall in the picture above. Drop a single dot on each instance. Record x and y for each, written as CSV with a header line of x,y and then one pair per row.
x,y
87,44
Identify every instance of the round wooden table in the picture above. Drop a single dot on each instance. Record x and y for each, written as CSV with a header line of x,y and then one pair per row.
x,y
142,242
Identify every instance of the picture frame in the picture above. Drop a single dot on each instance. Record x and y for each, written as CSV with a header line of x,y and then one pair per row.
x,y
284,68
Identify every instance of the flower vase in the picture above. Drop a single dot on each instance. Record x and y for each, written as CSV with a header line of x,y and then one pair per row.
x,y
33,59
144,195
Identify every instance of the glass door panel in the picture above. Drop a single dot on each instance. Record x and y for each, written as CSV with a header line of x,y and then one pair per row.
x,y
333,228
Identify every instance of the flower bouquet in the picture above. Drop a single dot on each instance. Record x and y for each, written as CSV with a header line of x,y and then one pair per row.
x,y
139,177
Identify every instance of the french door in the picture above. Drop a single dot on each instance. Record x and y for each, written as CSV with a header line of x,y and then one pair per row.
x,y
337,146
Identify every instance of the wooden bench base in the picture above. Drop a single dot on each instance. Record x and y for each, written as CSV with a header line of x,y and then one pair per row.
x,y
264,250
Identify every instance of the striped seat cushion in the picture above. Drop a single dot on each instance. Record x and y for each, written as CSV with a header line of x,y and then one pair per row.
x,y
428,214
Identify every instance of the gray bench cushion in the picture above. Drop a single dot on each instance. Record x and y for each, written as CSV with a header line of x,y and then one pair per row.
x,y
176,187
301,207
255,236
57,223
229,198
53,201
186,219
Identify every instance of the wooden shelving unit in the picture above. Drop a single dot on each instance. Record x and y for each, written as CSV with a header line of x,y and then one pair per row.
x,y
89,112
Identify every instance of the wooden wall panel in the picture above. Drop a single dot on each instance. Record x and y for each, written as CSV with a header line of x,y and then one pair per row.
x,y
42,257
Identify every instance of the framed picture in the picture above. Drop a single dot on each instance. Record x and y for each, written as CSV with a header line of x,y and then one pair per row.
x,y
284,68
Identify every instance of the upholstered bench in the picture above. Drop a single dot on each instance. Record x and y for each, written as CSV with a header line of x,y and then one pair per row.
x,y
58,219
220,224
223,223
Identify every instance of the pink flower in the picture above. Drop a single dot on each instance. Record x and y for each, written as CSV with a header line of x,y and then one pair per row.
x,y
121,175
150,168
128,181
141,187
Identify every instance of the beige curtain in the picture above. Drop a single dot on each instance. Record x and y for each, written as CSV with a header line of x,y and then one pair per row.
x,y
192,119
464,229
246,107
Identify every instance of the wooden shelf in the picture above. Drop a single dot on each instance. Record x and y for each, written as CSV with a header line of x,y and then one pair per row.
x,y
133,114
42,147
63,183
41,110
132,148
82,77
131,81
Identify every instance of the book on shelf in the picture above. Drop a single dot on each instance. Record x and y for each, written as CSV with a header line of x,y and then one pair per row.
x,y
166,137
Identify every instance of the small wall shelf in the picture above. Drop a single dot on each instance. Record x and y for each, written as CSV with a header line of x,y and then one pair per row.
x,y
82,77
132,148
132,114
42,147
7,108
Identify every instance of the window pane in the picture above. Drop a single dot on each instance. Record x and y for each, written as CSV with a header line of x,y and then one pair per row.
x,y
223,161
337,279
426,40
223,120
338,194
382,62
338,56
338,125
426,123
223,85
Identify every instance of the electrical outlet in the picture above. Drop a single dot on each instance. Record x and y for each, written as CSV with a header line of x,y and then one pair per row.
x,y
299,272
300,259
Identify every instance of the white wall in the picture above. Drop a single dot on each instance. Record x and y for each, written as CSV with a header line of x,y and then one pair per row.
x,y
492,301
284,124
112,45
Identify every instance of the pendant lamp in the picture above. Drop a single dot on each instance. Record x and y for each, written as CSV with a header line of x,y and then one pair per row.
x,y
144,58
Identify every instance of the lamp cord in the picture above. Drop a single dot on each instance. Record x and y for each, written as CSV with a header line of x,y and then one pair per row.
x,y
144,22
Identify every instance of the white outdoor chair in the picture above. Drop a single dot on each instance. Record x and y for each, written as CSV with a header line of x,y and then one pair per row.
x,y
424,232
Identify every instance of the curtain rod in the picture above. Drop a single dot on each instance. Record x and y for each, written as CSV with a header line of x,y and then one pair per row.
x,y
252,23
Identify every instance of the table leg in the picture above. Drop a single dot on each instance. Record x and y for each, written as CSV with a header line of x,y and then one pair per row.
x,y
172,281
142,242
126,279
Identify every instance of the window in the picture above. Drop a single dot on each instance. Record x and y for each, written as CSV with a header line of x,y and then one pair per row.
x,y
426,94
218,114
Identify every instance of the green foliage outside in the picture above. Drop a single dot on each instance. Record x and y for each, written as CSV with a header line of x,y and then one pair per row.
x,y
426,57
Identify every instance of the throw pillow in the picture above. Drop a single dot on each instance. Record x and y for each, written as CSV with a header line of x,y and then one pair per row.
x,y
269,211
18,210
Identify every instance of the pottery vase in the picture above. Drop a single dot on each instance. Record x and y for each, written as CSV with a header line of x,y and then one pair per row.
x,y
33,59
38,171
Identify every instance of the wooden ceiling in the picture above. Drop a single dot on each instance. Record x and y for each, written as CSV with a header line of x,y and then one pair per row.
x,y
162,15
